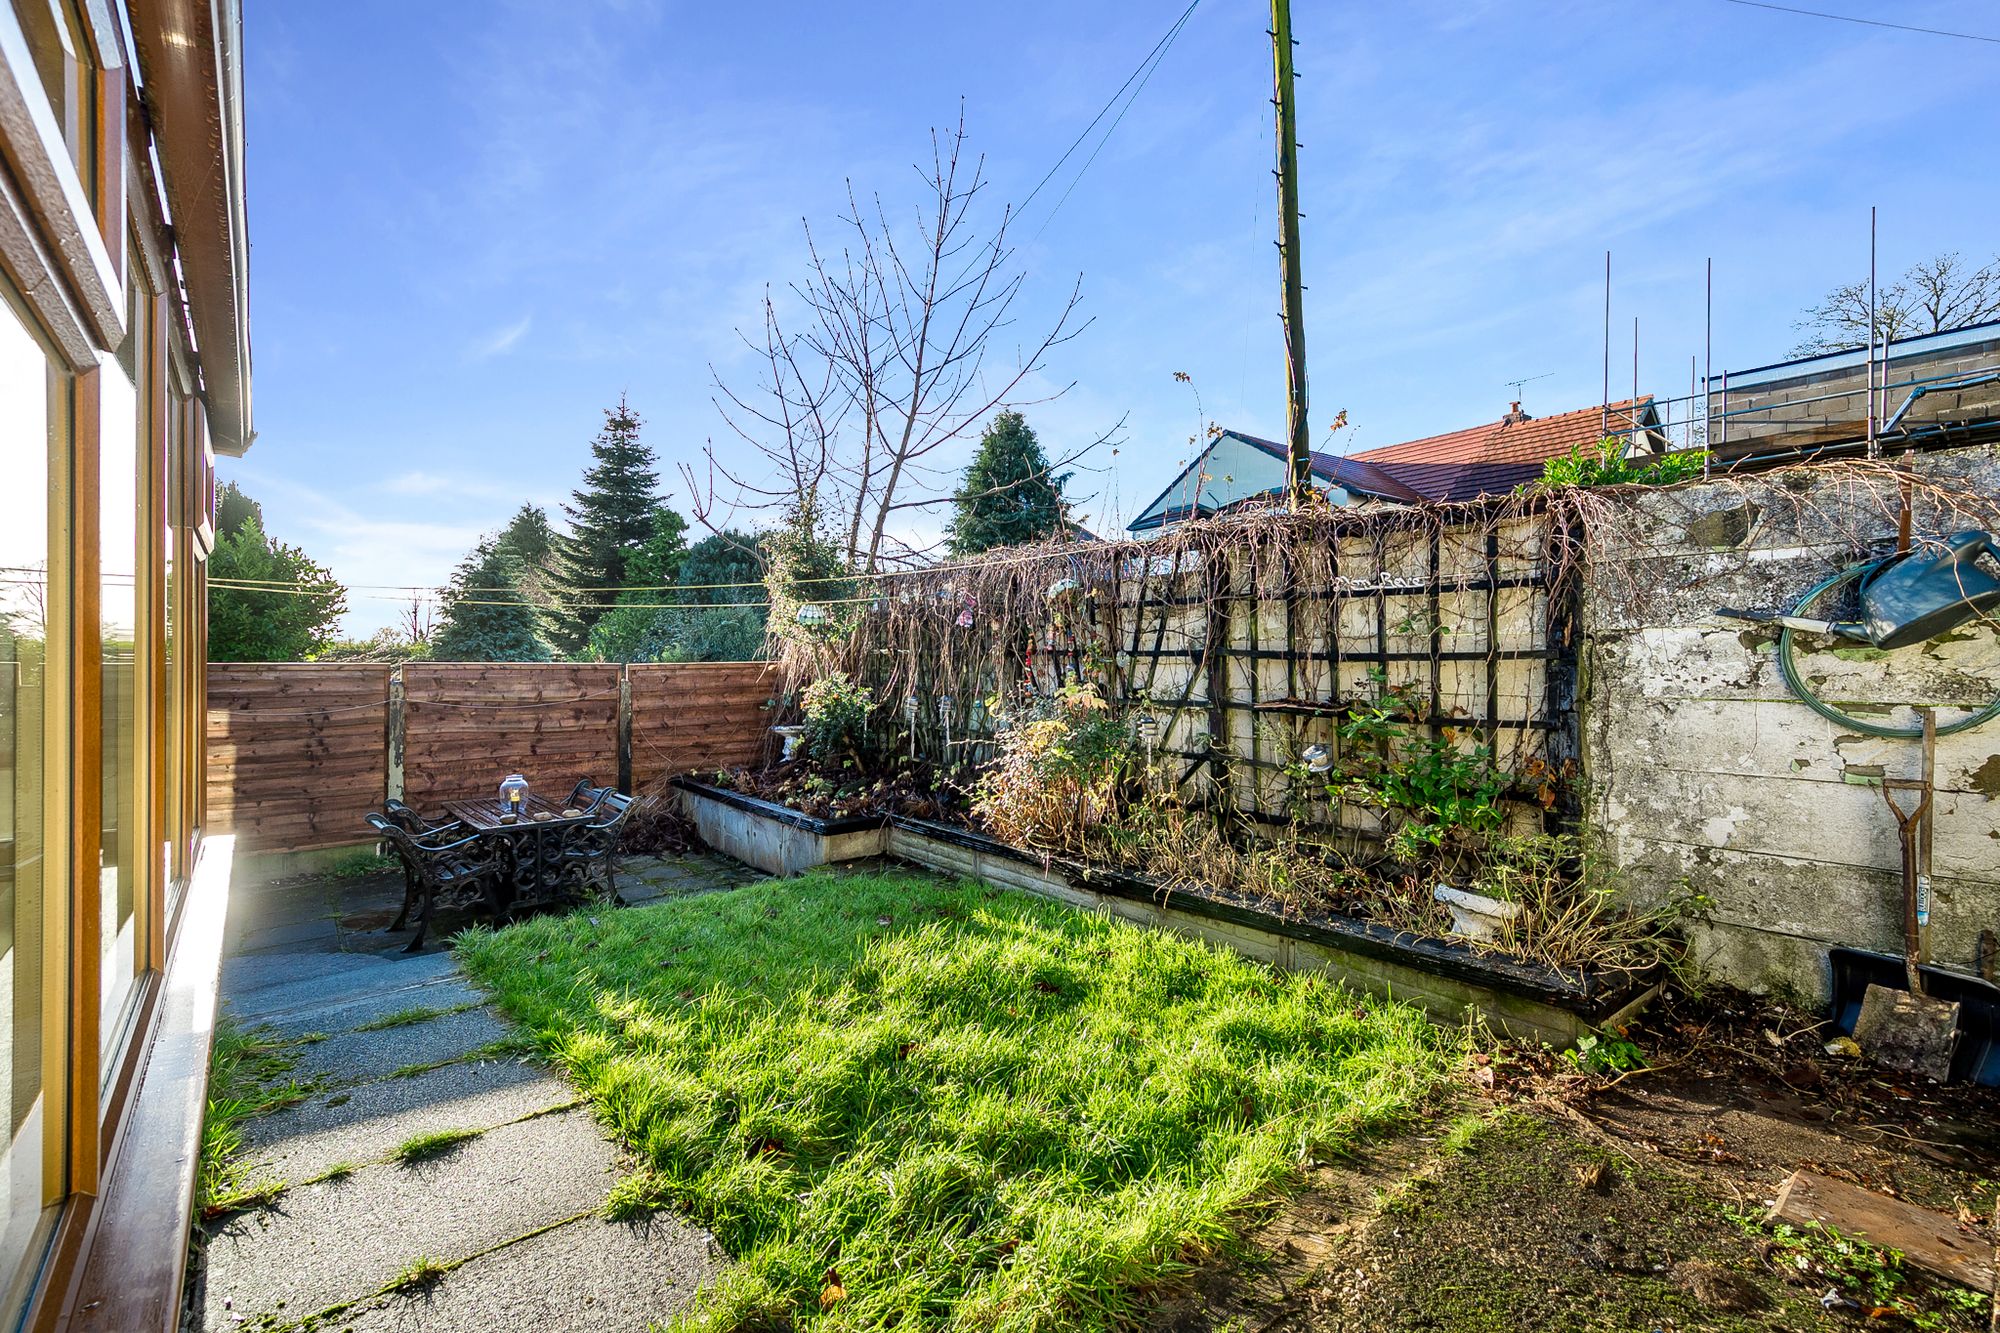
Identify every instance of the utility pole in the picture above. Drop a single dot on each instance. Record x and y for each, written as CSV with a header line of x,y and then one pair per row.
x,y
1299,434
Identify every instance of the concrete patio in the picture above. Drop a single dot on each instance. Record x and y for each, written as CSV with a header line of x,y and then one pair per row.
x,y
506,1224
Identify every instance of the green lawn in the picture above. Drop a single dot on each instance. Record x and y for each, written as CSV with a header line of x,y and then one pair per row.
x,y
899,1100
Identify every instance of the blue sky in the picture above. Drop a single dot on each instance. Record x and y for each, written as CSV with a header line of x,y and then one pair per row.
x,y
475,224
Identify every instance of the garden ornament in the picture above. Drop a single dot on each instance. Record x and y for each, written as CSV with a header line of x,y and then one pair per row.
x,y
1317,757
910,718
1149,731
1906,599
812,613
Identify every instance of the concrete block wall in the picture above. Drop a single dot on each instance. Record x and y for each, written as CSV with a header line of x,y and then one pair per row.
x,y
1704,773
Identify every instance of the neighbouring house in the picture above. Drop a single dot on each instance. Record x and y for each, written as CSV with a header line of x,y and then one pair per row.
x,y
124,369
1487,459
1932,390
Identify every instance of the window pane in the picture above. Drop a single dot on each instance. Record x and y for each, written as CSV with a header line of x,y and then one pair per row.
x,y
118,545
61,50
24,594
170,763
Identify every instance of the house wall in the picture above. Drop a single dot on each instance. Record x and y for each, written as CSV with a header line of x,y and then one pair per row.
x,y
1704,773
107,434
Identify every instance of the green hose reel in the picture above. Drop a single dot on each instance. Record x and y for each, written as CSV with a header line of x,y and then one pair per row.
x,y
1906,599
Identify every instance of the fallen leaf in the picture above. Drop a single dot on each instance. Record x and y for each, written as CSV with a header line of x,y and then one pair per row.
x,y
833,1291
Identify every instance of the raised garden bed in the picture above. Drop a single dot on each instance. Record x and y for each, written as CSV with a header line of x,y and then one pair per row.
x,y
1447,979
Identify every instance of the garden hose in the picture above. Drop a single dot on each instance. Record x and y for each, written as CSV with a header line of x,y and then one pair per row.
x,y
1788,665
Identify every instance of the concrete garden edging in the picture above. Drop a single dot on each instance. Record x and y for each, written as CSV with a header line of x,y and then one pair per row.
x,y
1450,981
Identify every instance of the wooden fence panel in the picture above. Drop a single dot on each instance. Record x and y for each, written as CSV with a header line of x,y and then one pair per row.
x,y
696,717
298,753
295,752
470,724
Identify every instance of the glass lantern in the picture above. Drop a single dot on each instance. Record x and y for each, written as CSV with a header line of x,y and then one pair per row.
x,y
514,795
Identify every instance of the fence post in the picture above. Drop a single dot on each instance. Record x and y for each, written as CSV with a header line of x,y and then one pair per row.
x,y
625,729
393,736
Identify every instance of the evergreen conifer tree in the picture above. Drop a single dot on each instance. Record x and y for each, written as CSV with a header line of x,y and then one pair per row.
x,y
1008,495
611,518
486,619
531,541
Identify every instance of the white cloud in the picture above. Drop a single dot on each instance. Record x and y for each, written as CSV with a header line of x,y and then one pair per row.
x,y
502,339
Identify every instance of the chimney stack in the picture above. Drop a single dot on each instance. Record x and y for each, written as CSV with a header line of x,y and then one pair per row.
x,y
1514,414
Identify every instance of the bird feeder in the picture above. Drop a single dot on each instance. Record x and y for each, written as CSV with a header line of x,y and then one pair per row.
x,y
1318,758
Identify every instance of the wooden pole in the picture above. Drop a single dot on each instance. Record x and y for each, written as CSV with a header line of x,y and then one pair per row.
x,y
1298,434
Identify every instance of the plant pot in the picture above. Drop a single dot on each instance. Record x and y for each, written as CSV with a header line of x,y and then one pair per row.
x,y
1474,915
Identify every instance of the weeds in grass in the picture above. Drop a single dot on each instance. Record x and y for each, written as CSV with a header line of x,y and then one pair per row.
x,y
994,1111
1875,1276
433,1144
249,1072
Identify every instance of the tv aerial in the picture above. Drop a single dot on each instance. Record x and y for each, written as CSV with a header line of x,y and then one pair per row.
x,y
1526,379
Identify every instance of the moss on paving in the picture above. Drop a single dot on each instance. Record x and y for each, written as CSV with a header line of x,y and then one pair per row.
x,y
900,1100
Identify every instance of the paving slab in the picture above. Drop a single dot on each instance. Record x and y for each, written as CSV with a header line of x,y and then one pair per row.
x,y
342,1240
589,1276
449,992
367,1122
269,990
351,1057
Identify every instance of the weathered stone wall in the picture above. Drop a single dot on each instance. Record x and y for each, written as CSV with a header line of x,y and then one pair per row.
x,y
1705,773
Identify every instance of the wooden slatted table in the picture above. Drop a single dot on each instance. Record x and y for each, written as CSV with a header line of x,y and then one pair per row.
x,y
535,846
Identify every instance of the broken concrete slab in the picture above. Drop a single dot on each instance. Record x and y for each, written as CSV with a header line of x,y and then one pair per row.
x,y
346,1239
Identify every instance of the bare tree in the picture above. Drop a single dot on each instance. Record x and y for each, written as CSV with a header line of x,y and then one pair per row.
x,y
416,622
1933,295
890,365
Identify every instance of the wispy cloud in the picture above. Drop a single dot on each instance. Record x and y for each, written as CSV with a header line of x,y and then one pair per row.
x,y
503,339
419,483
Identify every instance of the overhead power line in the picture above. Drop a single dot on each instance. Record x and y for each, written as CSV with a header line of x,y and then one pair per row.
x,y
1872,23
1144,68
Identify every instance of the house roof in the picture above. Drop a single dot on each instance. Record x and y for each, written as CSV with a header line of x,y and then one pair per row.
x,y
1494,458
1356,478
1351,474
1488,459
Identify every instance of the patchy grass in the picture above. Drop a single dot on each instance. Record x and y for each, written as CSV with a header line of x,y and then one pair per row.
x,y
898,1100
356,865
433,1144
249,1076
421,1272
